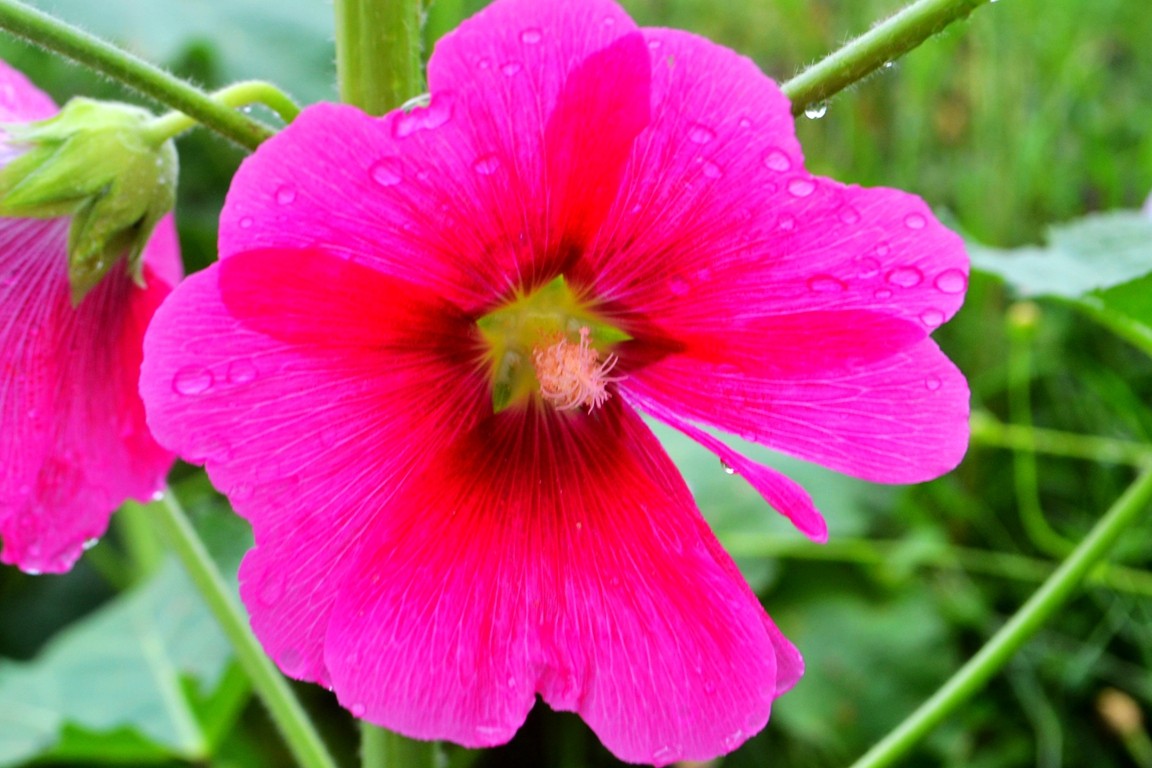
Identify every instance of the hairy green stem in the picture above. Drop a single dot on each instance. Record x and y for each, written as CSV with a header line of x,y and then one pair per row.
x,y
1049,598
380,748
884,43
299,733
378,43
55,35
239,94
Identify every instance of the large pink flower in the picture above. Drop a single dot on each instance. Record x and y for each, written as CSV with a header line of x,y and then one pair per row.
x,y
74,444
419,365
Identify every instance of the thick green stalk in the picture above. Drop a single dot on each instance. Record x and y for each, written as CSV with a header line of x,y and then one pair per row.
x,y
55,35
299,733
384,749
1051,596
884,43
378,42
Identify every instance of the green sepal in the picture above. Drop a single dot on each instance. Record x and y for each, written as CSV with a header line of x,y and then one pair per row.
x,y
96,162
529,321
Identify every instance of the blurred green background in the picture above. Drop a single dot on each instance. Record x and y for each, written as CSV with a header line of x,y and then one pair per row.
x,y
1033,112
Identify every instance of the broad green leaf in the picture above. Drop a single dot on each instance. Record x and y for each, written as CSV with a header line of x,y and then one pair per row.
x,y
136,678
1100,251
288,43
1101,264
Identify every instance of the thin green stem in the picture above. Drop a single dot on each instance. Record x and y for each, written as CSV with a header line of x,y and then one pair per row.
x,y
884,43
1049,598
378,43
301,737
1135,333
384,749
989,431
873,553
55,35
1023,320
239,94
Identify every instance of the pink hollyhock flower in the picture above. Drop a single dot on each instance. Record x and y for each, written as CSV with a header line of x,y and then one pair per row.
x,y
75,444
418,369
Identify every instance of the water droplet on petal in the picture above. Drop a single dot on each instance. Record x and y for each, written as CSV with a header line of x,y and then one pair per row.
x,y
428,118
240,492
951,281
825,284
241,371
932,318
157,496
883,293
915,221
386,173
290,661
678,285
801,187
775,160
882,249
486,165
868,267
849,215
665,755
271,591
286,195
192,380
905,277
653,44
246,222
728,470
358,710
511,68
786,222
933,383
711,170
89,543
489,732
816,111
734,739
745,123
531,36
700,134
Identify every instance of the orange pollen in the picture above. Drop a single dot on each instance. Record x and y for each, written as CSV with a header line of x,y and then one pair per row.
x,y
572,375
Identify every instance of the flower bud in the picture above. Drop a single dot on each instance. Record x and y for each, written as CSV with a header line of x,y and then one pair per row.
x,y
96,162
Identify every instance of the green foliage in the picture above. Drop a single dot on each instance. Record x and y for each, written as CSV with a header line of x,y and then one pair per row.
x,y
142,679
1032,113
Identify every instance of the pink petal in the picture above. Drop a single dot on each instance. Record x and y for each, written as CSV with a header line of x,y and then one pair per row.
x,y
784,494
20,101
719,221
75,444
561,556
901,420
308,408
458,196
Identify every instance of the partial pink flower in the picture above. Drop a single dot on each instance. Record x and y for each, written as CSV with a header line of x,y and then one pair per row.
x,y
75,444
419,367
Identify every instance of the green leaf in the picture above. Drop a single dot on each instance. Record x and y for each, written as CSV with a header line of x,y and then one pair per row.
x,y
289,43
1101,264
139,678
1094,253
